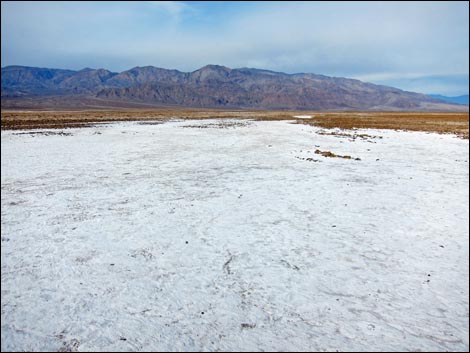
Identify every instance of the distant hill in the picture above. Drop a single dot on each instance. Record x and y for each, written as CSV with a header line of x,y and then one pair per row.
x,y
457,100
212,86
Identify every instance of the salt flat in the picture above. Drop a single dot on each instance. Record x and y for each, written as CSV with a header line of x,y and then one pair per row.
x,y
234,235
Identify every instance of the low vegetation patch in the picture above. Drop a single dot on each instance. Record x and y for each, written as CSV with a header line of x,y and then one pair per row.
x,y
444,123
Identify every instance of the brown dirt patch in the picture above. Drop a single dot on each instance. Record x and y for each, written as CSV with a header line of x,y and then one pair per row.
x,y
333,155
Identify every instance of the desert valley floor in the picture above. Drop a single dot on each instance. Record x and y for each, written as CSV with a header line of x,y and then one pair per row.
x,y
233,235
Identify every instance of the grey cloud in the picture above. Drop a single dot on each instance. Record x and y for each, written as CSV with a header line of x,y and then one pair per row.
x,y
341,39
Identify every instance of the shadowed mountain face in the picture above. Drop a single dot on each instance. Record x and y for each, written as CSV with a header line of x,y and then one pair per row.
x,y
215,87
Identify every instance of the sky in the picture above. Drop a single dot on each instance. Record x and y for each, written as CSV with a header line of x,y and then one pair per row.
x,y
415,46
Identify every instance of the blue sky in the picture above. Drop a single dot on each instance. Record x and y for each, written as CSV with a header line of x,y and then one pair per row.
x,y
417,46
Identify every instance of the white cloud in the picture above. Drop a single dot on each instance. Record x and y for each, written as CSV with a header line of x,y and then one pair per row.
x,y
174,8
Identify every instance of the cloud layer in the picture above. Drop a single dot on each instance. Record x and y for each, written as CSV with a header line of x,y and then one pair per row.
x,y
420,46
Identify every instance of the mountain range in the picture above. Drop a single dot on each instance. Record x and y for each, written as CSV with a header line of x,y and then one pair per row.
x,y
457,99
211,86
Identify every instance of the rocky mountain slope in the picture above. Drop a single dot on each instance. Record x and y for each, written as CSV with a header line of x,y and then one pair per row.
x,y
214,86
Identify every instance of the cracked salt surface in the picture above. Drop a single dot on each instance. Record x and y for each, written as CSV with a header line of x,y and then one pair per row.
x,y
158,237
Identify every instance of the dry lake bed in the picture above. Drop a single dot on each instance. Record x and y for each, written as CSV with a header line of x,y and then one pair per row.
x,y
216,235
